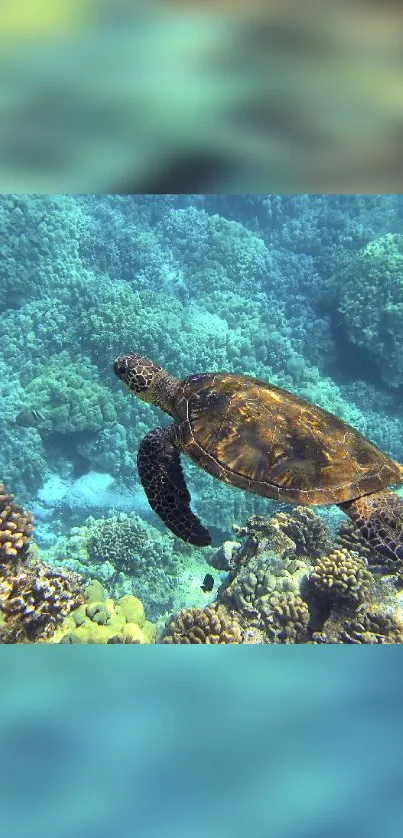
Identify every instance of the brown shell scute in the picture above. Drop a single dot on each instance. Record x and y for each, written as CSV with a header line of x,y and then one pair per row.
x,y
269,441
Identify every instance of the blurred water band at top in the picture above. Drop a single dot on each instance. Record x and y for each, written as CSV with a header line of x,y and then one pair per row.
x,y
27,19
186,96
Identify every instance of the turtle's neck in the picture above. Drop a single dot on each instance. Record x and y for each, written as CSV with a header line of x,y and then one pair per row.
x,y
165,392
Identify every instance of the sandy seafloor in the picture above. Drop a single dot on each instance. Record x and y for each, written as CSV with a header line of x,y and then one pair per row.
x,y
304,291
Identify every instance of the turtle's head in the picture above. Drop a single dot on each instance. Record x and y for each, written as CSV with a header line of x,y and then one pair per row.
x,y
147,380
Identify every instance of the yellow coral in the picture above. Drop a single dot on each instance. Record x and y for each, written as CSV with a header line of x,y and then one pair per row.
x,y
133,609
105,620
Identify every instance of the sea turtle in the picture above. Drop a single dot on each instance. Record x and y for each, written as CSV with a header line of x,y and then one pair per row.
x,y
266,440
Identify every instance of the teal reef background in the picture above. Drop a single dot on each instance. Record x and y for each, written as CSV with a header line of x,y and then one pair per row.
x,y
304,291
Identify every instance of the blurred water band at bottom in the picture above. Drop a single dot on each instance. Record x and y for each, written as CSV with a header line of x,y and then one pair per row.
x,y
244,742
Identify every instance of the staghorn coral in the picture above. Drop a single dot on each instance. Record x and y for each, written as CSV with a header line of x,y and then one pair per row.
x,y
34,600
203,625
342,576
369,624
16,527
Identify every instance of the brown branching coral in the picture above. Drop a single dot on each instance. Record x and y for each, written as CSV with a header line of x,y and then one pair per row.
x,y
342,576
203,625
286,619
115,540
34,600
16,528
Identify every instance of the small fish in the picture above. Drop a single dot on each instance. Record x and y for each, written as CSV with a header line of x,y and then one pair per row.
x,y
28,418
208,583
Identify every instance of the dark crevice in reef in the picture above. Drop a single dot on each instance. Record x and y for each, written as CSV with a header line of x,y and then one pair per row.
x,y
64,445
352,362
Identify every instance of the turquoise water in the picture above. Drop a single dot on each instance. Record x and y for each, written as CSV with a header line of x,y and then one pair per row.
x,y
229,743
303,291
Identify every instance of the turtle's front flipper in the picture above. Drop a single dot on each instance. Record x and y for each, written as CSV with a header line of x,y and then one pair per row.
x,y
161,474
379,517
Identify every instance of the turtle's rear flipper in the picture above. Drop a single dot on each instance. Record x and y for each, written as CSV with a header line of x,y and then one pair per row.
x,y
379,518
161,474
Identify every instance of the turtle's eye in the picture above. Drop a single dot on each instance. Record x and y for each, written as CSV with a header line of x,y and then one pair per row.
x,y
120,366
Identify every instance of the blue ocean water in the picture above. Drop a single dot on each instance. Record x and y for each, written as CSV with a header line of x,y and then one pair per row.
x,y
229,742
303,291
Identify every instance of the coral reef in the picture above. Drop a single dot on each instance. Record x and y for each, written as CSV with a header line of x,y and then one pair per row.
x,y
131,545
266,596
34,600
306,528
70,396
281,597
342,576
201,283
225,557
101,619
349,537
24,463
370,302
369,624
286,619
131,556
262,534
300,532
249,284
254,585
218,252
265,583
207,625
40,246
16,527
274,591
